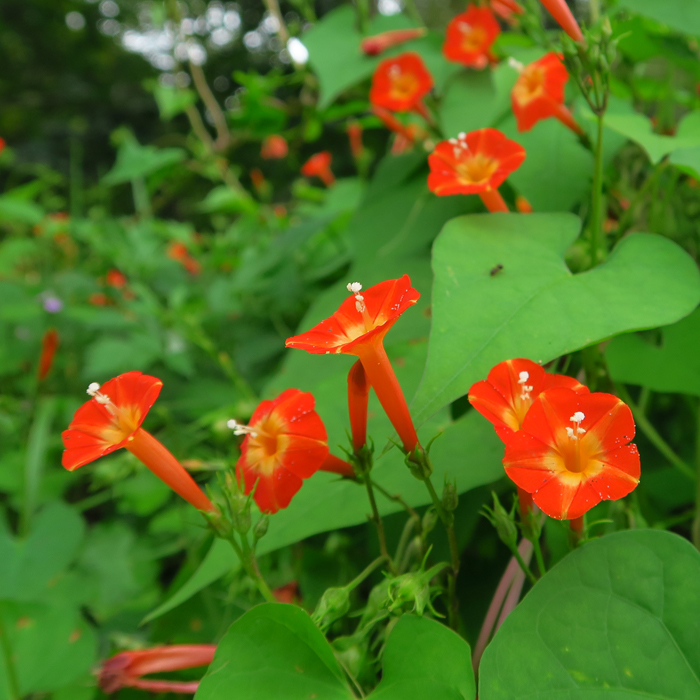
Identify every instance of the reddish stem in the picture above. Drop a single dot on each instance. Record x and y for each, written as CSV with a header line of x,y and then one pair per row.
x,y
525,503
164,465
166,686
386,386
493,201
576,525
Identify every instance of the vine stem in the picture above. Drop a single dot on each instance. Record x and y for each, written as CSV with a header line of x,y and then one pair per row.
x,y
447,519
250,564
653,436
200,82
695,528
12,680
597,203
397,499
539,557
595,10
379,523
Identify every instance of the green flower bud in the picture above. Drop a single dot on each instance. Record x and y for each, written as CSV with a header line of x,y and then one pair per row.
x,y
503,521
410,589
334,603
430,520
450,499
240,512
260,529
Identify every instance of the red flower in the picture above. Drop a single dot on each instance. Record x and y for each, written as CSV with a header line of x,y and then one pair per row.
x,y
400,84
538,93
374,45
562,14
2,144
112,419
258,179
505,9
99,299
49,345
523,205
319,165
274,147
406,135
470,36
474,163
358,399
505,397
285,443
289,593
178,251
358,328
115,279
125,670
572,452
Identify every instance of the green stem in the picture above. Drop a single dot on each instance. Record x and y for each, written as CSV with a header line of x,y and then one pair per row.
x,y
413,13
10,669
365,573
379,524
397,499
654,438
595,10
695,528
523,564
538,556
363,15
250,564
596,222
447,519
405,538
627,219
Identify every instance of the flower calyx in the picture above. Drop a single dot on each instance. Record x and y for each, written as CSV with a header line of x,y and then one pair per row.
x,y
413,591
334,604
503,521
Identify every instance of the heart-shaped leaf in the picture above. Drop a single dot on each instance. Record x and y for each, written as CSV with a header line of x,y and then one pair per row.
x,y
534,307
274,651
682,15
619,618
673,366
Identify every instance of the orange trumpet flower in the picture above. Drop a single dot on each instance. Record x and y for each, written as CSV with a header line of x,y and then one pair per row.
x,y
112,419
374,45
319,165
538,93
562,14
285,443
470,36
505,9
475,163
572,452
178,251
354,132
126,670
399,84
358,328
274,147
49,345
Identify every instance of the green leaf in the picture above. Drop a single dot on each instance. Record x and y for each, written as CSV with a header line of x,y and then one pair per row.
x,y
535,307
619,618
52,646
136,161
110,356
20,211
30,565
672,367
336,57
424,659
274,651
681,15
172,100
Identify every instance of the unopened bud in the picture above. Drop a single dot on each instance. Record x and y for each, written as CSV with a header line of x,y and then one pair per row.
x,y
410,589
334,603
260,528
503,521
240,512
450,499
430,520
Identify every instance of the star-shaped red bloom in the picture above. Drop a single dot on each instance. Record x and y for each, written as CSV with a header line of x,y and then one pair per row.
x,y
400,83
319,165
286,442
358,328
470,36
112,419
538,93
574,451
505,397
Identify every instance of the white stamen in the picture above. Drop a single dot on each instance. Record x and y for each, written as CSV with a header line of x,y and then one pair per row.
x,y
465,26
93,388
454,142
523,377
577,430
462,135
94,391
240,429
354,287
515,64
359,303
102,398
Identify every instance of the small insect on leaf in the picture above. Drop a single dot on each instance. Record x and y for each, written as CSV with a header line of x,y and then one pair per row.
x,y
495,270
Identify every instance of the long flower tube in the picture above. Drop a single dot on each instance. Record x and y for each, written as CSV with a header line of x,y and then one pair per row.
x,y
126,670
112,419
563,16
49,345
358,328
358,399
374,45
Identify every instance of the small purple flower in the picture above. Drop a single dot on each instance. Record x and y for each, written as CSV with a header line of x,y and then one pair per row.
x,y
52,304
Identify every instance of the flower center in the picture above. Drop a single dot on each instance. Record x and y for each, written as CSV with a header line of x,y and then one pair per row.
x,y
529,85
124,419
476,169
403,84
355,288
473,38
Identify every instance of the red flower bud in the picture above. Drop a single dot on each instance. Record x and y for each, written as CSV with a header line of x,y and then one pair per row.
x,y
374,45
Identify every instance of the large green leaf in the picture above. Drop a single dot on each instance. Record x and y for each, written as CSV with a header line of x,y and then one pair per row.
x,y
135,161
424,659
336,57
29,565
682,15
274,651
619,618
535,307
673,366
